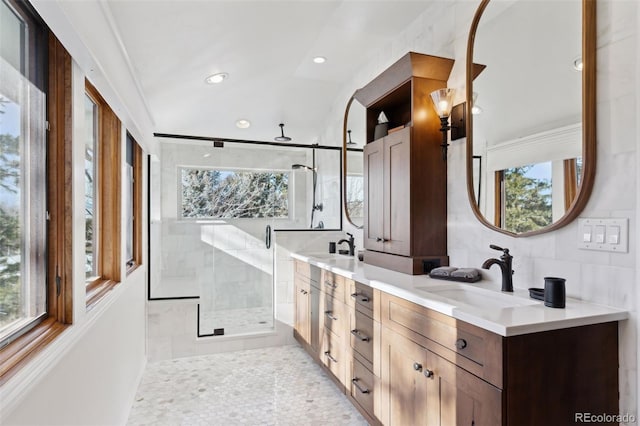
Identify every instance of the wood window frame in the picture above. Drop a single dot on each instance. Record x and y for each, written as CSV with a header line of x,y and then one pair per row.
x,y
109,160
132,264
570,182
60,224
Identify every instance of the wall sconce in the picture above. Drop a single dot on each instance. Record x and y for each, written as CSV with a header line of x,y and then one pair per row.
x,y
442,102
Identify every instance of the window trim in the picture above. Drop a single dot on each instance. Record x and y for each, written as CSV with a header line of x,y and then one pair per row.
x,y
133,263
59,315
109,159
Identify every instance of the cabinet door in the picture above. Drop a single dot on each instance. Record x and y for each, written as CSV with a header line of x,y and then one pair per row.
x,y
464,398
373,196
408,397
302,312
397,192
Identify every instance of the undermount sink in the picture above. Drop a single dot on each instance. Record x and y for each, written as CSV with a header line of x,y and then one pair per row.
x,y
477,297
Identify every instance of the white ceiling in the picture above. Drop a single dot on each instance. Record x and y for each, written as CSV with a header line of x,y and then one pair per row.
x,y
266,47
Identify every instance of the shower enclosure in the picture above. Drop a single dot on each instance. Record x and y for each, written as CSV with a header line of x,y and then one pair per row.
x,y
213,214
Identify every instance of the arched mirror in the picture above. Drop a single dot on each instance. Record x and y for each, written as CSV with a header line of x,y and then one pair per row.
x,y
531,114
353,141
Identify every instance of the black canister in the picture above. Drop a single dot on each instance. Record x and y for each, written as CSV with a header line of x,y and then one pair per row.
x,y
554,292
332,247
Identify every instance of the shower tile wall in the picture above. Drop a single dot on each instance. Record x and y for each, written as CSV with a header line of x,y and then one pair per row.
x,y
185,255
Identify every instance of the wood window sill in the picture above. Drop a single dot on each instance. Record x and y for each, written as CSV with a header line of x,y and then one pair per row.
x,y
97,290
19,352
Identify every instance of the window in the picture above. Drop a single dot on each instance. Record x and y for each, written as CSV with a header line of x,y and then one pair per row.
x,y
133,203
91,190
22,201
102,196
526,197
233,194
35,195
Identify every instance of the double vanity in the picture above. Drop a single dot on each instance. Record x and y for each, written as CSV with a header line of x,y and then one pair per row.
x,y
410,349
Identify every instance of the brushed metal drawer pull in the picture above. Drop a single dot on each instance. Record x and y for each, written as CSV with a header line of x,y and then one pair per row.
x,y
330,284
417,366
330,316
382,240
355,383
428,373
363,299
360,336
328,354
461,343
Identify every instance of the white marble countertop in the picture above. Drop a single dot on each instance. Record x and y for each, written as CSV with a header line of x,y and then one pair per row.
x,y
481,304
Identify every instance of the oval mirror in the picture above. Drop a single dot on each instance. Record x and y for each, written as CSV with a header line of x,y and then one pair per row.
x,y
531,114
353,140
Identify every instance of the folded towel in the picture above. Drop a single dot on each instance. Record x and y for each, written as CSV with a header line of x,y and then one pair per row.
x,y
443,271
468,273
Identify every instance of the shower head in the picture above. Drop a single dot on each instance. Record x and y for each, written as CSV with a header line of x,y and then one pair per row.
x,y
349,141
282,137
302,166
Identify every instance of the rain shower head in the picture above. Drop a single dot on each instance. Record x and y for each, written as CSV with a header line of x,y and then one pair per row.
x,y
282,137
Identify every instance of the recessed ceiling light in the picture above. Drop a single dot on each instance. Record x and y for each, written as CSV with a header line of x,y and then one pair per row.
x,y
216,78
207,155
319,59
243,124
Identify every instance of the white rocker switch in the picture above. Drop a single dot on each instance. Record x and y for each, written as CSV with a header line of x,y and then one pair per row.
x,y
613,233
600,232
586,234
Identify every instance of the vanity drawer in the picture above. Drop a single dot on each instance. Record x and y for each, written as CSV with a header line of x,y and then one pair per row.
x,y
333,285
334,315
363,386
474,349
361,335
333,355
361,297
302,268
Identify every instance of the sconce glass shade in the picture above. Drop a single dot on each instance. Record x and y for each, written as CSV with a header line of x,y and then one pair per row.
x,y
443,101
475,108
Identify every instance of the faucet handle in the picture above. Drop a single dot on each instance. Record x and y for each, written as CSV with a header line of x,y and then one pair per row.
x,y
495,247
351,235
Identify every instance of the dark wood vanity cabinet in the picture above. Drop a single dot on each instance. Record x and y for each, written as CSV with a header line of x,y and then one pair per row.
x,y
436,370
400,363
405,175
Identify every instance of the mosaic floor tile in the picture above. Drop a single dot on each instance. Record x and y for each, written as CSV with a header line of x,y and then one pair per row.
x,y
270,386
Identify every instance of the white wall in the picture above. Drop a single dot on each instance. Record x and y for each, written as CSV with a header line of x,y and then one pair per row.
x,y
90,373
597,277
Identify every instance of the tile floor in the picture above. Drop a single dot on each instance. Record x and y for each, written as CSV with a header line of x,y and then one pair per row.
x,y
271,386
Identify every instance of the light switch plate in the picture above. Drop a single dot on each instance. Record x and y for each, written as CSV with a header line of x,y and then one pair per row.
x,y
606,234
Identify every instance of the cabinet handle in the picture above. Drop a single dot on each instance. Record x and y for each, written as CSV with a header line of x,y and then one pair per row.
x,y
363,299
328,354
330,284
461,343
355,383
382,240
417,366
428,373
359,336
330,316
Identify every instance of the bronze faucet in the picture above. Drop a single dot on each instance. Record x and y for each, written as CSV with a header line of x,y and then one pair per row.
x,y
505,264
